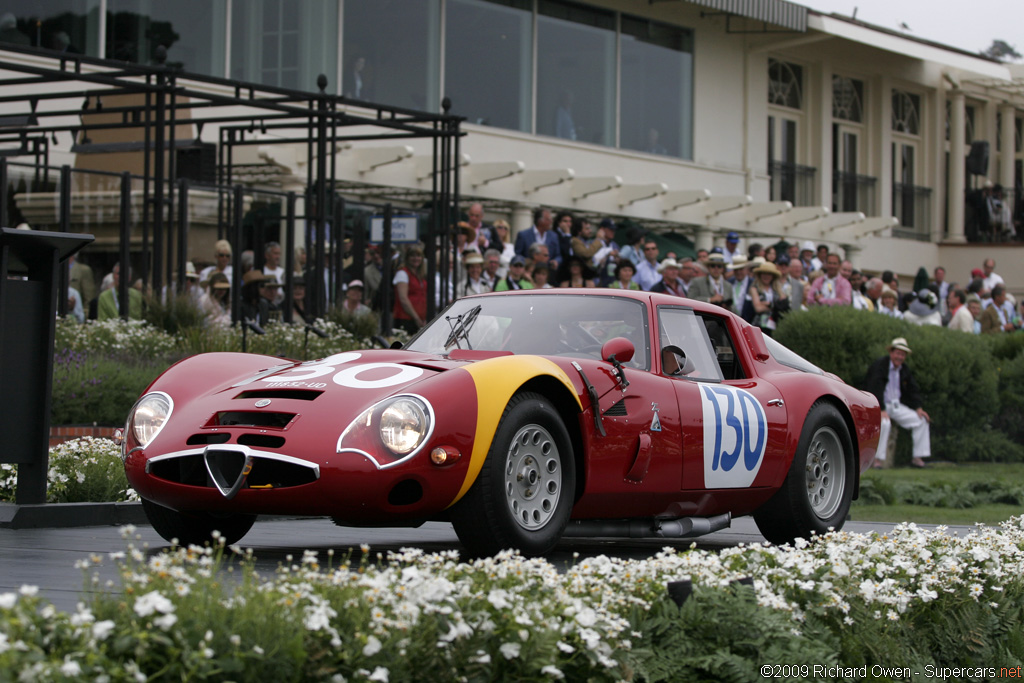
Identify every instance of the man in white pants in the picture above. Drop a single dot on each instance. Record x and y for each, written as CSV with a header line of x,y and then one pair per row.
x,y
892,383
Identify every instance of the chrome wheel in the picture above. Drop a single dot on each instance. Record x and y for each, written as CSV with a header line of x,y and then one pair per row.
x,y
826,472
533,477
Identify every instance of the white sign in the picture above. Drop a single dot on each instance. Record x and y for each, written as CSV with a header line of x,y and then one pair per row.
x,y
403,229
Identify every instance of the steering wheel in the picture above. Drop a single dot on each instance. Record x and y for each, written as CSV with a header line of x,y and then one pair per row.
x,y
578,339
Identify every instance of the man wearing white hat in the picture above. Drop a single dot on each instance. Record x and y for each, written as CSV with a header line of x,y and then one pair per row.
x,y
892,383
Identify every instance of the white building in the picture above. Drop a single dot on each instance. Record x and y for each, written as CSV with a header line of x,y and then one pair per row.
x,y
695,116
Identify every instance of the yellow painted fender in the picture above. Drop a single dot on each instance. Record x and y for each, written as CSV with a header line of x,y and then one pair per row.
x,y
496,381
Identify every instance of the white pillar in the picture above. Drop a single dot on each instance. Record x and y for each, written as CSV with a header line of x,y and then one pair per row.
x,y
955,199
1008,150
522,219
852,253
703,238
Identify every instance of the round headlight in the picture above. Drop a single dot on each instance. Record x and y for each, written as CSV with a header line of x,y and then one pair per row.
x,y
403,425
149,417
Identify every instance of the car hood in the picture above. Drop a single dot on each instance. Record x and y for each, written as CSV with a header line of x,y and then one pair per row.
x,y
375,373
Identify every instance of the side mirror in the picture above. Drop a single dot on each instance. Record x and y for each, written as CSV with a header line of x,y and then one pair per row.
x,y
618,349
674,362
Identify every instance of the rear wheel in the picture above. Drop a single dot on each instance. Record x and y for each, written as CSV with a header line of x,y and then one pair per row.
x,y
817,491
196,528
523,495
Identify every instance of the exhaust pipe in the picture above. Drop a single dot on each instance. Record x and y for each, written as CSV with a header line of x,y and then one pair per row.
x,y
681,527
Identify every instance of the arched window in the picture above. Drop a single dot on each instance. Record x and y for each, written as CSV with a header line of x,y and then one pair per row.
x,y
785,84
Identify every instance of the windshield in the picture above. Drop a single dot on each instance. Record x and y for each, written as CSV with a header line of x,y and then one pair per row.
x,y
788,358
567,325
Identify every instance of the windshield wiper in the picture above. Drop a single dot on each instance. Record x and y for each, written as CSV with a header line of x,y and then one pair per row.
x,y
461,325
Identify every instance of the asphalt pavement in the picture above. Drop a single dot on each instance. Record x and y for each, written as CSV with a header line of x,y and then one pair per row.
x,y
46,556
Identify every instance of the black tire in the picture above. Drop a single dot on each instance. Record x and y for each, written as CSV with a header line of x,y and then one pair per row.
x,y
817,491
523,495
196,528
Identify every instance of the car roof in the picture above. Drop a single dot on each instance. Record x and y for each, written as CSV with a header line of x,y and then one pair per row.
x,y
657,298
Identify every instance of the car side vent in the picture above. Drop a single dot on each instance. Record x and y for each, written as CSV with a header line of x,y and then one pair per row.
x,y
261,440
207,439
296,394
617,410
244,418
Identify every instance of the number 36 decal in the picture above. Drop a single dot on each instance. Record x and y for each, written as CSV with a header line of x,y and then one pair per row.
x,y
735,436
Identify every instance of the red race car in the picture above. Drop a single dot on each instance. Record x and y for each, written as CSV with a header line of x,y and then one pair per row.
x,y
520,417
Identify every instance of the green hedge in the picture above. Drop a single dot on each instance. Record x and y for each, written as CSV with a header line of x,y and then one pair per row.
x,y
973,386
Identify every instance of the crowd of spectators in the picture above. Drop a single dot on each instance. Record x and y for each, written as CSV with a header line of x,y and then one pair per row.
x,y
761,283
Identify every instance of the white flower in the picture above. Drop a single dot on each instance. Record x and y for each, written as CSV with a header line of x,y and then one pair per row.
x,y
28,591
552,671
565,647
102,629
166,621
379,674
151,602
499,598
70,668
372,646
510,650
8,600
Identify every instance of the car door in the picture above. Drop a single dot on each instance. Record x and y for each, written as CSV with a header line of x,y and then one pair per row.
x,y
745,420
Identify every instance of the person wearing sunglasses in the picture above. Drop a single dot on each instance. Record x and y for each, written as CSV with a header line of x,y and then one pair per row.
x,y
713,287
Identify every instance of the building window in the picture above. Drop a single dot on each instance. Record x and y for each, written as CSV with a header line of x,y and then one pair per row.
x,y
656,88
785,84
395,45
65,25
285,43
576,72
488,65
847,99
192,31
906,112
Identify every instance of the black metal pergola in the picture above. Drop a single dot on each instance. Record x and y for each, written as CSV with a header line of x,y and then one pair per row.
x,y
44,93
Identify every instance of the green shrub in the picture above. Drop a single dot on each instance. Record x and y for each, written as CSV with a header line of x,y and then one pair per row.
x,y
93,387
957,374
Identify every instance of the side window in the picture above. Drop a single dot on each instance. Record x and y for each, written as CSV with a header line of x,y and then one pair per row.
x,y
724,349
686,350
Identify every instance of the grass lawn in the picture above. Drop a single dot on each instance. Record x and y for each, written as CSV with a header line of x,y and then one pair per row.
x,y
940,474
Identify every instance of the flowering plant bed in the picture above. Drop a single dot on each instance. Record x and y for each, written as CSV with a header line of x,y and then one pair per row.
x,y
83,470
908,604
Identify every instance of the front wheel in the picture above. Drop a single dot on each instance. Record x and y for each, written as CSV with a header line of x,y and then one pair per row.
x,y
523,495
817,492
196,528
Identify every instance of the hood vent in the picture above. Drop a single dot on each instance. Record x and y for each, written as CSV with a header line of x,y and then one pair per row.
x,y
251,418
295,394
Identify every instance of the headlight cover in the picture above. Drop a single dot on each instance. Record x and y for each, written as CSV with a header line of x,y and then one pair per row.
x,y
149,416
390,431
403,424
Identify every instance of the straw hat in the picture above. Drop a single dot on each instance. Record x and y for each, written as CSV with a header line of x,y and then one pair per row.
x,y
899,343
768,267
668,263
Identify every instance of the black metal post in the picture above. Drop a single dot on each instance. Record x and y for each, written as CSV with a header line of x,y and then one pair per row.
x,y
387,322
183,228
65,226
236,258
4,190
289,257
158,179
124,238
321,194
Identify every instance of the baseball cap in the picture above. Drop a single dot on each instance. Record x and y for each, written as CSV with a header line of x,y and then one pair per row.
x,y
517,261
732,237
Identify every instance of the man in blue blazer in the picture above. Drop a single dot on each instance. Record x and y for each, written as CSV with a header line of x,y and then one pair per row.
x,y
540,232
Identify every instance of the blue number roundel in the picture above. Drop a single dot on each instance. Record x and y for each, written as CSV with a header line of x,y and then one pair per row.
x,y
735,436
